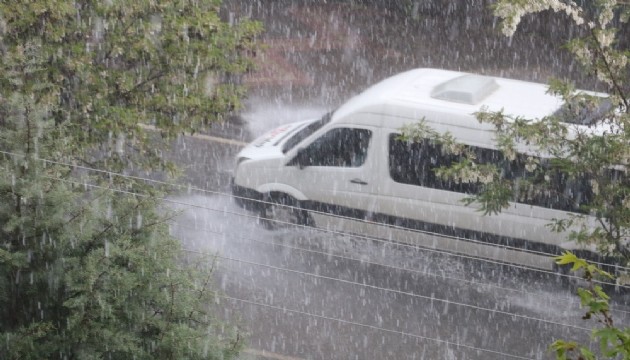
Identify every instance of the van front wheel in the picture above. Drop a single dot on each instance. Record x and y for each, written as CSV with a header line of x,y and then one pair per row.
x,y
283,211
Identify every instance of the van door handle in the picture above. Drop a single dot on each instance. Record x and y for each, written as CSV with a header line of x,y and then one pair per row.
x,y
358,181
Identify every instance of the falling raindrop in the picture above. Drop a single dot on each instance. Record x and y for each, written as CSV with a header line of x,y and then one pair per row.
x,y
120,143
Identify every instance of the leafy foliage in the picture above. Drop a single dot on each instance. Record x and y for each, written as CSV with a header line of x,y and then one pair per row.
x,y
103,67
599,154
88,268
613,341
596,149
580,154
586,142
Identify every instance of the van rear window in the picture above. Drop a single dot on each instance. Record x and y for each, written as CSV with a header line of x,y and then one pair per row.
x,y
414,163
306,132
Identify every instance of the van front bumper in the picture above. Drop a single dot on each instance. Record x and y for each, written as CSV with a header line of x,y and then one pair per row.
x,y
246,198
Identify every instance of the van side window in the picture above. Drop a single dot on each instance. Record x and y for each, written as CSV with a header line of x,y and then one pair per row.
x,y
414,163
341,147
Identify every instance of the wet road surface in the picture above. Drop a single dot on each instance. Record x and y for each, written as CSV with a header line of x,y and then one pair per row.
x,y
309,294
305,293
302,293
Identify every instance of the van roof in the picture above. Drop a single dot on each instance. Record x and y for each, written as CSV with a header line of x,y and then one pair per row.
x,y
454,91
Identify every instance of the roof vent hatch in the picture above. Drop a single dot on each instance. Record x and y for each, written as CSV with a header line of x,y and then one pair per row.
x,y
466,89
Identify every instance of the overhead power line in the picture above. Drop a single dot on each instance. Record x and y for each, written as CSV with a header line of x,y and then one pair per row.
x,y
334,279
400,292
247,215
330,278
564,300
372,327
189,188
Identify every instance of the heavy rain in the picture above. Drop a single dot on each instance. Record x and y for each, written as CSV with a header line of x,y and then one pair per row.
x,y
340,291
353,262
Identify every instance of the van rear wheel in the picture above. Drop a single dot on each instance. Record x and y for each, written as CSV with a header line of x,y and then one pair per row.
x,y
282,211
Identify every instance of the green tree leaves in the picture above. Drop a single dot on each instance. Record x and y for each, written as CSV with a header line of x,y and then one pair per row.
x,y
111,65
613,342
578,154
589,140
88,268
588,137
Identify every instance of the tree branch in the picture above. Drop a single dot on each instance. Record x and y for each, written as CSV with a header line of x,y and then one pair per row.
x,y
600,52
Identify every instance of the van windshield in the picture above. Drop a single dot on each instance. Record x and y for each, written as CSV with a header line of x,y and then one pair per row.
x,y
584,110
306,132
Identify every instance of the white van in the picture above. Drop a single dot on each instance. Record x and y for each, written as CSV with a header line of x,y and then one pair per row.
x,y
352,163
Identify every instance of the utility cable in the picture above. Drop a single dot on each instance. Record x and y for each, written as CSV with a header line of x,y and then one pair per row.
x,y
331,278
515,266
563,300
399,292
189,188
372,327
394,243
